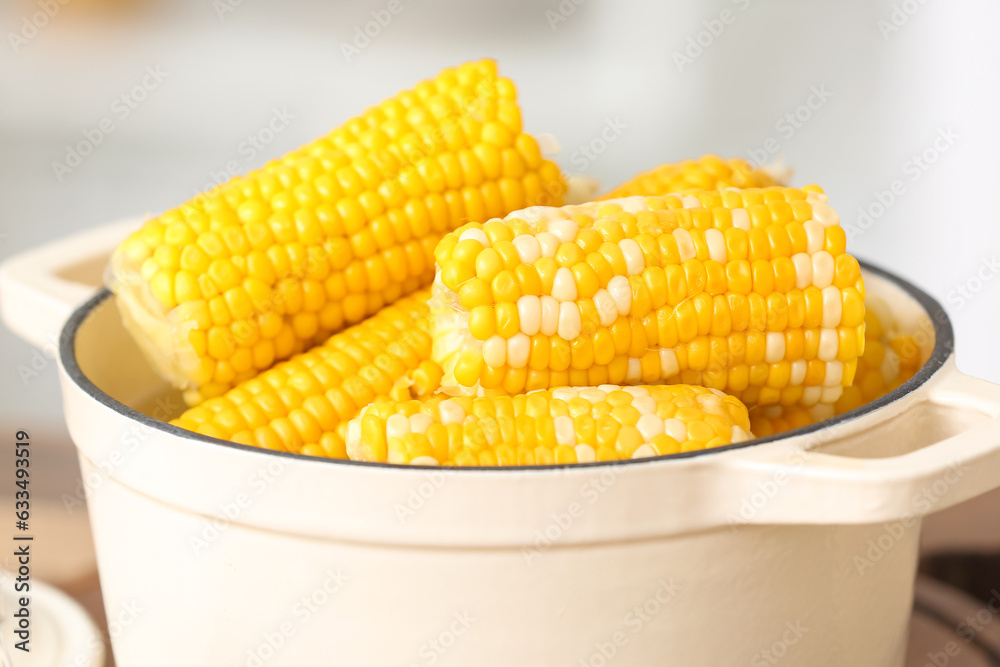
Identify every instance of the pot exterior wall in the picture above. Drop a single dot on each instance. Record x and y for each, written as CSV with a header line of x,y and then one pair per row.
x,y
212,592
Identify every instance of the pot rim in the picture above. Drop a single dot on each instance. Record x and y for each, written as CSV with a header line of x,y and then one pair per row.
x,y
944,345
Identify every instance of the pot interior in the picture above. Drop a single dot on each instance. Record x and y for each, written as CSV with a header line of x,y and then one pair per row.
x,y
98,349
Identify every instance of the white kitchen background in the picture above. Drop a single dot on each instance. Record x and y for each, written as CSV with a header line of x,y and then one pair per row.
x,y
891,105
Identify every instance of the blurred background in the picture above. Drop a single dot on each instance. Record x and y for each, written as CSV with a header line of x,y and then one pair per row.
x,y
117,108
854,95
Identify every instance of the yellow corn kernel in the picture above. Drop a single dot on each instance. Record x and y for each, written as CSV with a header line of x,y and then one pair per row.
x,y
554,426
333,231
726,289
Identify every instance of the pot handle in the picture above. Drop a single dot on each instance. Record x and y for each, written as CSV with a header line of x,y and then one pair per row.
x,y
810,487
40,288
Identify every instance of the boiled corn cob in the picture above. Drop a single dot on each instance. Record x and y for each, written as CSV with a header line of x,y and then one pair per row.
x,y
563,425
746,291
708,172
303,405
267,265
890,359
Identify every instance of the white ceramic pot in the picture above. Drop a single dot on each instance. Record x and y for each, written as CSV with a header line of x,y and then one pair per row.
x,y
800,549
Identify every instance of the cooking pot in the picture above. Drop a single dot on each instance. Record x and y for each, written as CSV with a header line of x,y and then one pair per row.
x,y
799,548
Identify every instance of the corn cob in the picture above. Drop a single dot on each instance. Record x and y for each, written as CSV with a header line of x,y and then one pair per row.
x,y
303,405
708,172
890,359
746,291
267,265
563,425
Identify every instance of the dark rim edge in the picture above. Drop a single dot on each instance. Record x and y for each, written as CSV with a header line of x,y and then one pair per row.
x,y
944,344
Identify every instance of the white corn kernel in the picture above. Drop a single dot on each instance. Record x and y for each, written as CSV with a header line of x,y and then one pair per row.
x,y
585,454
741,219
620,290
550,315
798,375
716,242
397,426
685,244
834,374
803,270
420,422
649,426
822,212
832,307
738,435
593,394
565,430
634,262
529,313
811,395
565,393
668,363
528,250
495,351
518,347
645,405
634,372
636,392
643,452
676,429
564,230
832,394
424,461
354,431
570,323
815,236
607,311
691,202
451,412
563,285
547,244
829,342
823,267
475,234
774,350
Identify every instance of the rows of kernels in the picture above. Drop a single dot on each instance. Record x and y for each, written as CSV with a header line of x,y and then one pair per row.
x,y
746,291
302,405
563,425
269,264
889,360
707,173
